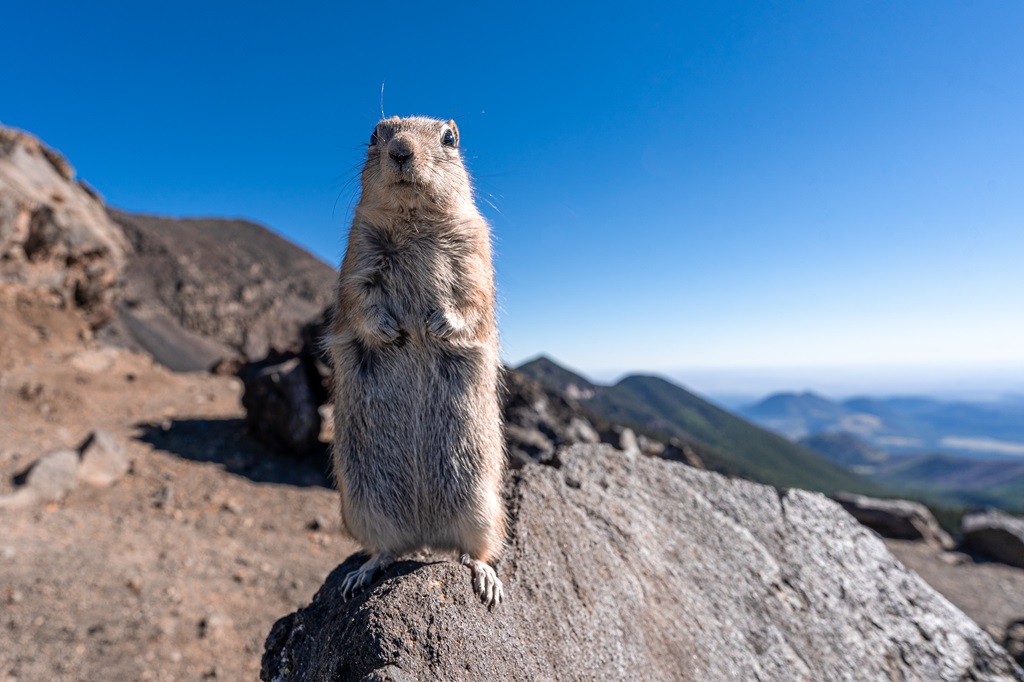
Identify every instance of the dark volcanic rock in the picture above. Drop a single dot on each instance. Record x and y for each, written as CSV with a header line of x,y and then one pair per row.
x,y
996,535
899,519
282,397
620,438
628,567
196,290
55,236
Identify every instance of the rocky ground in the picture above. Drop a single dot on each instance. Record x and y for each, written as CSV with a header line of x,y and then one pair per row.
x,y
178,570
991,593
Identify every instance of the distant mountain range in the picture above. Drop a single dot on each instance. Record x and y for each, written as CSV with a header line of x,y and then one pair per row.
x,y
945,453
658,407
900,425
862,444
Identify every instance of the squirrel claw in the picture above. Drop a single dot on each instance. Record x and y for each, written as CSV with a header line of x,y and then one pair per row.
x,y
384,325
440,325
486,583
357,580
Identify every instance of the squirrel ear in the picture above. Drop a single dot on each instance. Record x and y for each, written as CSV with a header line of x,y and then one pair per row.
x,y
455,129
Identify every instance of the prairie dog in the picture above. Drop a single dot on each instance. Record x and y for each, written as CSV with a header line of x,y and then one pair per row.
x,y
418,451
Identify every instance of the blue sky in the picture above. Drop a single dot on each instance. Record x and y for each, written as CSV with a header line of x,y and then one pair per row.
x,y
686,188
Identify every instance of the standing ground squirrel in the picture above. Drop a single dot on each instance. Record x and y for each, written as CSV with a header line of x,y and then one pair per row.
x,y
418,449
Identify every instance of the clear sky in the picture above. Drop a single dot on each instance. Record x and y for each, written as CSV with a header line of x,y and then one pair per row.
x,y
679,187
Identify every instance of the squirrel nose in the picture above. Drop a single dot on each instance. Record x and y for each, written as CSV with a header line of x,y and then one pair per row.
x,y
400,150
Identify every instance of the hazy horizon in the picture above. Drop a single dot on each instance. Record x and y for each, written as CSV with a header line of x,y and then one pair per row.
x,y
734,386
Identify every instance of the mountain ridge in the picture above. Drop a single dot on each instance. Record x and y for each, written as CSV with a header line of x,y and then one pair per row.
x,y
657,406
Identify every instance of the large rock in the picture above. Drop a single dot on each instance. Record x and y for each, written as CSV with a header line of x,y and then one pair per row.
x,y
55,235
621,566
898,519
996,535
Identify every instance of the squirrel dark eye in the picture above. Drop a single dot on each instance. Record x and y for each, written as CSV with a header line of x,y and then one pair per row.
x,y
373,137
448,138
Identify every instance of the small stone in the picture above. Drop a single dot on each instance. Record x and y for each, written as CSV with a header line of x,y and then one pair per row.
x,y
621,438
954,558
163,497
53,476
104,459
94,361
212,625
318,523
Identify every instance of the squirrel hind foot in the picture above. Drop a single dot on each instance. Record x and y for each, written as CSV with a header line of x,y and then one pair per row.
x,y
356,581
486,583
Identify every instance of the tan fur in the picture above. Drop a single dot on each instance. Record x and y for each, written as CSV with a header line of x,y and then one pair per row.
x,y
418,448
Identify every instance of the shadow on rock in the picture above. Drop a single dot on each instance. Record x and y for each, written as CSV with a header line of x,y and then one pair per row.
x,y
228,442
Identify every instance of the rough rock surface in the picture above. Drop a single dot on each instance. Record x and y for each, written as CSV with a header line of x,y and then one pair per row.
x,y
55,236
898,519
996,535
989,593
200,289
627,567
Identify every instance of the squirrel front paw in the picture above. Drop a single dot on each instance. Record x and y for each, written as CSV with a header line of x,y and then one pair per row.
x,y
383,325
441,324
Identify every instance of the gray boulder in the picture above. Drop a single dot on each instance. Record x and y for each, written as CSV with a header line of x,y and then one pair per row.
x,y
995,535
55,236
627,567
898,519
